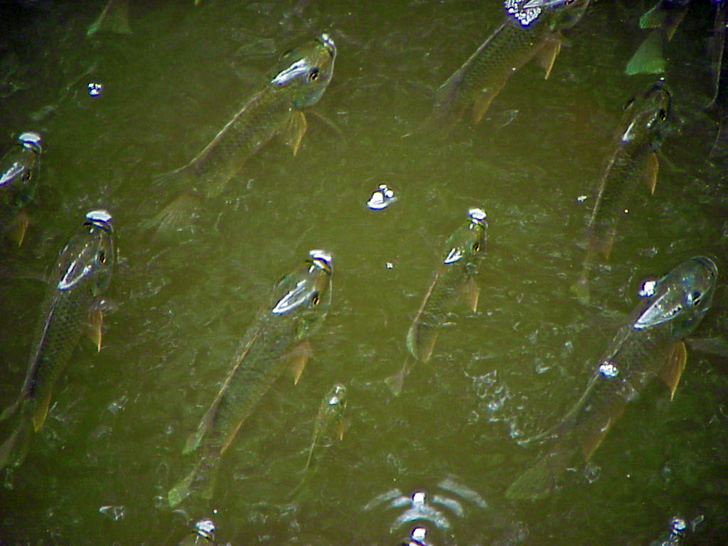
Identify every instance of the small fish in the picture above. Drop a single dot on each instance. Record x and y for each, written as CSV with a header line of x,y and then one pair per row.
x,y
297,82
329,420
453,280
18,180
649,344
529,29
664,18
80,276
279,337
633,159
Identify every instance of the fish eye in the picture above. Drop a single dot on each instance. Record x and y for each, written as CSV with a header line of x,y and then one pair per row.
x,y
27,175
102,257
628,104
663,114
315,299
313,74
695,297
476,246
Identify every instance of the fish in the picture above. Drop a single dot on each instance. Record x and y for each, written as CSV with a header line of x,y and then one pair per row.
x,y
453,280
633,159
19,169
330,424
329,420
297,82
664,18
649,344
278,338
72,303
529,29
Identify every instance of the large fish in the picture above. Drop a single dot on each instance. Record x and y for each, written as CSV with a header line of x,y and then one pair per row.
x,y
81,275
453,280
18,179
648,345
297,82
633,160
529,28
278,338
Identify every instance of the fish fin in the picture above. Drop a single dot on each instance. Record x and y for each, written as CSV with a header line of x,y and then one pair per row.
x,y
114,18
717,47
591,443
470,293
181,490
93,326
538,481
15,448
660,18
673,369
194,439
395,382
174,215
481,105
297,358
649,58
294,130
41,412
421,341
548,53
650,178
20,225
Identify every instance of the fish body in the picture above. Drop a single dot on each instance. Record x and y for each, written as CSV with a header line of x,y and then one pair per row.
x,y
649,344
298,81
18,180
633,160
527,29
278,338
81,275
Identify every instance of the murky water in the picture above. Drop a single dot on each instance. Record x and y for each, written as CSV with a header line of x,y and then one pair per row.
x,y
440,456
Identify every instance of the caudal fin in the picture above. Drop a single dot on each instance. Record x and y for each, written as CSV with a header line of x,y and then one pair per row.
x,y
540,480
15,448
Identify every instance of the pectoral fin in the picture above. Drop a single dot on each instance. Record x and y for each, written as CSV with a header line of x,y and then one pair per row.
x,y
294,130
39,416
650,178
674,367
481,105
297,358
470,294
93,326
547,56
20,225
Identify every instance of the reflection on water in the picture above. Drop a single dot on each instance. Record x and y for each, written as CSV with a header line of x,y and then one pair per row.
x,y
117,110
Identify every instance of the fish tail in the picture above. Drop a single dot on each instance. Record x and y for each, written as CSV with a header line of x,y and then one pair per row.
x,y
15,448
395,382
200,482
538,481
173,217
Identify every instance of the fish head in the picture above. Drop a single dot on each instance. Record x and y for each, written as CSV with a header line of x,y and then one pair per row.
x,y
680,298
335,399
305,72
304,295
19,170
560,13
645,117
87,260
467,244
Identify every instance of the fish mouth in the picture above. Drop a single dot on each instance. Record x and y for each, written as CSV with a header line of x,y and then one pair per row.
x,y
31,141
99,218
328,43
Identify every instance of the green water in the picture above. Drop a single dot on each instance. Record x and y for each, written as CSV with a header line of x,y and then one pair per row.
x,y
100,469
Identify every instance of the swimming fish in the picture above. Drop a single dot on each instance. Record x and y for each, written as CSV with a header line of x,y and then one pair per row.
x,y
453,280
330,419
278,338
633,159
18,180
530,28
80,276
297,81
649,344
